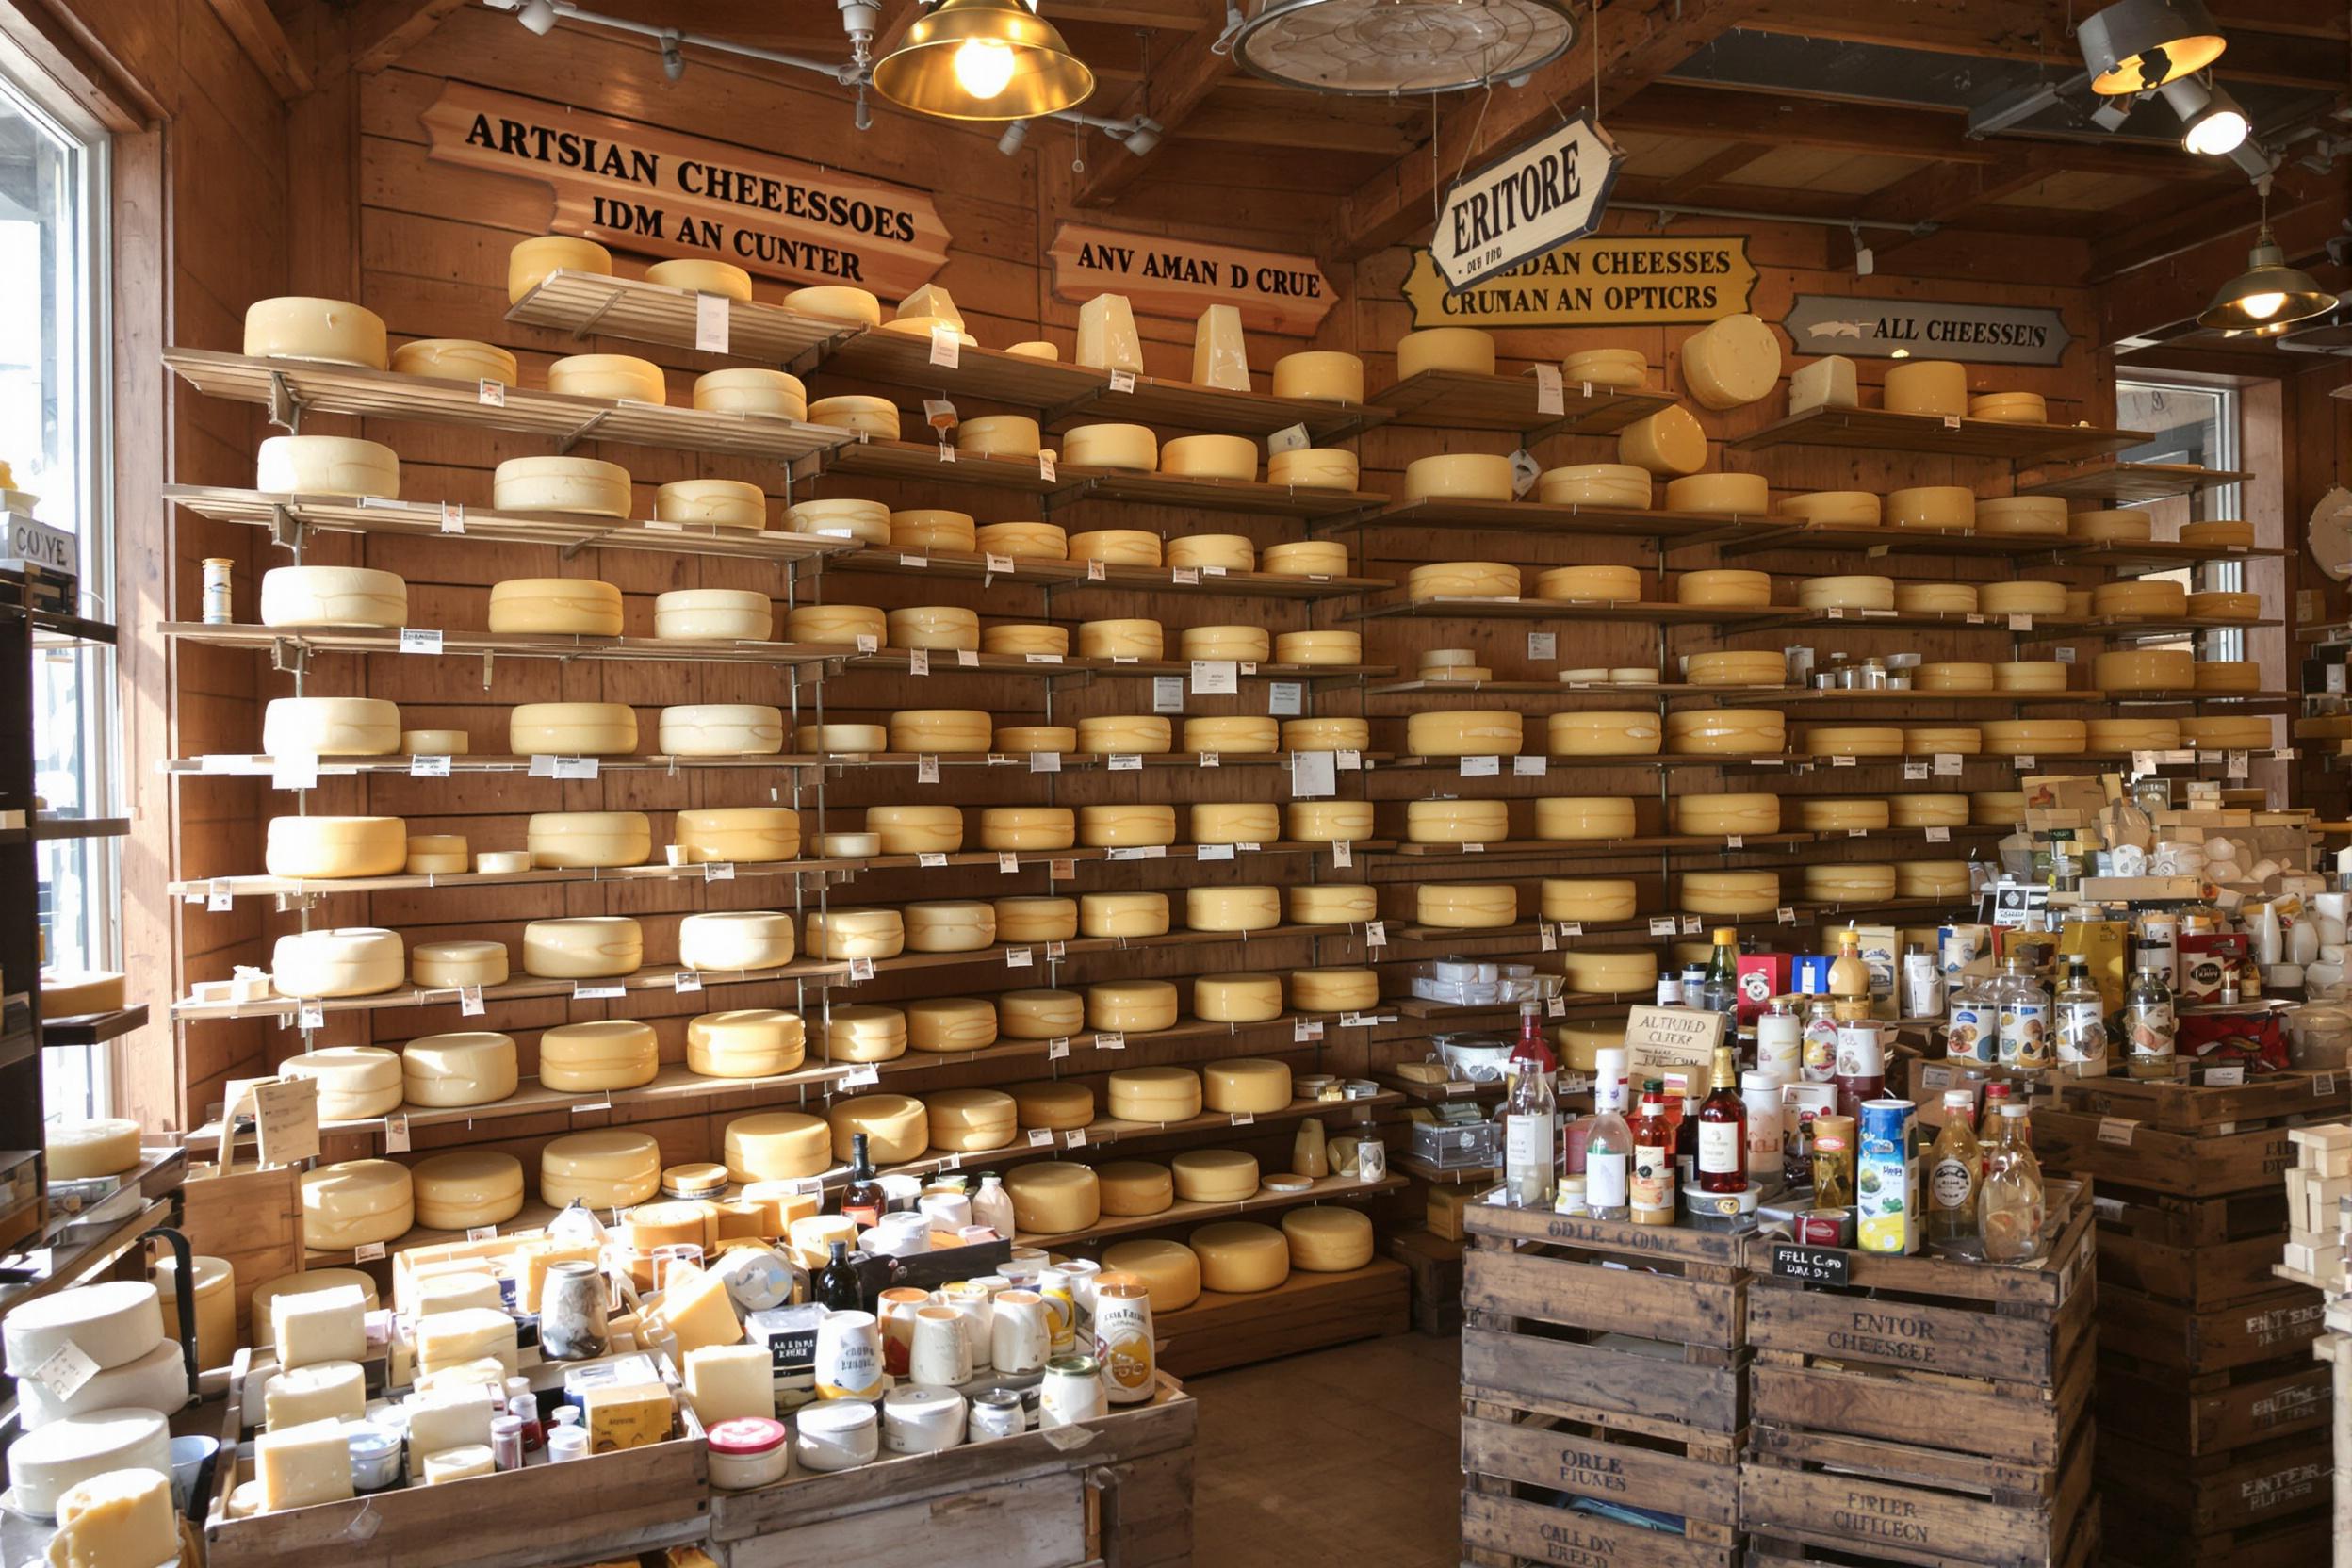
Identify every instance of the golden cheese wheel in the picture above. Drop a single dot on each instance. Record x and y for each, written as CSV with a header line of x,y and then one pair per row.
x,y
328,847
1579,818
865,1032
2035,737
917,830
1927,386
867,522
1731,362
530,262
1817,815
583,947
1667,443
1246,1085
843,740
777,1146
1229,552
1041,1015
1625,367
1240,1258
1725,495
949,1023
1463,580
1335,990
1121,639
2218,533
1936,599
854,934
332,596
574,839
1237,821
721,729
1606,973
621,377
2035,516
1590,898
1332,734
1055,738
1910,810
714,615
1322,375
2226,675
1997,808
1116,546
2119,735
1326,1239
1725,586
1463,733
1052,1197
1304,558
746,1043
1170,1270
968,1120
1319,647
745,389
1729,731
1141,914
2144,599
1125,733
1590,584
1459,475
2127,526
1457,822
1239,998
1250,645
475,1068
327,466
1237,906
1730,892
1468,349
937,731
1132,448
949,925
1931,879
934,626
837,300
604,1053
571,729
1953,675
1948,508
1245,734
1738,667
458,963
1716,815
1132,1006
2030,675
867,416
1846,740
334,332
1027,827
1312,469
1320,822
2010,408
2226,732
1580,1044
1466,905
1834,508
836,625
1128,826
923,529
606,1167
999,435
1041,919
1849,883
1133,1188
1619,487
896,1126
1223,457
1023,541
1929,740
2216,605
1333,903
1859,592
566,605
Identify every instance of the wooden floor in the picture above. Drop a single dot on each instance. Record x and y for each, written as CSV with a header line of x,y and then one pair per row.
x,y
1355,1449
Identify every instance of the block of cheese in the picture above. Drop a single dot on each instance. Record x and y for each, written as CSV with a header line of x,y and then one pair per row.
x,y
949,925
1953,675
725,834
868,522
571,729
1040,1015
1121,638
745,1042
1107,335
1732,732
1667,443
1233,908
1037,918
572,485
1242,734
1021,639
608,1167
2217,533
336,846
1604,734
2030,675
1621,486
299,1466
941,729
1312,469
714,615
1321,374
1915,810
104,1146
1134,1007
721,729
1725,586
1053,1104
2226,732
1730,892
865,1032
446,1418
854,934
1023,541
1240,1258
583,947
598,1054
1215,1175
301,327
1131,1188
735,940
530,260
1170,1270
1587,898
2226,674
1328,1240
1250,645
1457,822
117,1519
727,1382
949,1023
968,1120
1235,822
1850,740
2217,605
1860,592
1333,903
1463,733
2109,527
1816,814
1123,914
332,596
1326,734
1051,1197
1027,827
617,376
1726,494
2040,516
744,390
2010,408
467,1187
1849,883
1220,457
1116,546
1465,349
1947,507
1590,584
2135,735
1335,990
1583,818
1708,816
1239,998
350,1204
354,1082
1625,368
777,1145
1466,905
917,830
1459,475
1738,667
568,839
68,993
1605,972
867,416
1219,357
1130,448
1826,382
1731,362
474,1067
352,960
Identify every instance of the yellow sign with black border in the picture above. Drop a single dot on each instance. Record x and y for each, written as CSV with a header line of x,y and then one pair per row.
x,y
1603,280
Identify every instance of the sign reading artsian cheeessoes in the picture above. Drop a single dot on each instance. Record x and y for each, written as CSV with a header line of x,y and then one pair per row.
x,y
1608,280
1926,329
1550,191
641,189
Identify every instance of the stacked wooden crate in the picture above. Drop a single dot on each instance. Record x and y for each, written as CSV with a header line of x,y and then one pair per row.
x,y
2319,1224
2213,1420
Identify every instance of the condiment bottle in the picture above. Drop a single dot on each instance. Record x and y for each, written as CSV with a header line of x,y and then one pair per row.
x,y
1608,1143
1651,1183
1780,1040
1972,1021
1955,1168
1832,1162
1530,1119
1861,1065
2081,1022
2150,1027
1849,978
2010,1205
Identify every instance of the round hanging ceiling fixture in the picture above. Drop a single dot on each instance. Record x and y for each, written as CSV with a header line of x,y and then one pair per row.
x,y
1378,47
2138,45
2268,297
982,59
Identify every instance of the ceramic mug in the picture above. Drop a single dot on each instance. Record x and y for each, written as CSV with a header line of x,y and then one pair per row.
x,y
899,1305
971,1303
941,1352
849,1357
1022,1333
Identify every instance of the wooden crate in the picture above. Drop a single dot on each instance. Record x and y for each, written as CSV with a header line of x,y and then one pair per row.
x,y
2199,1251
2277,1326
2197,1415
1306,1311
1117,1491
2083,1551
1435,1264
2135,1540
2260,1484
2189,1139
1571,1384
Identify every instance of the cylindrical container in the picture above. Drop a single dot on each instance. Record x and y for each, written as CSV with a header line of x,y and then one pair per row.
x,y
1073,1392
995,1412
941,1352
1122,1338
572,1312
840,1436
849,1355
1021,1334
745,1451
217,610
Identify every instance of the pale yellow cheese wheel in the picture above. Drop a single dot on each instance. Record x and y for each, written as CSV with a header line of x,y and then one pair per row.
x,y
2035,737
301,327
2227,675
746,1043
1052,1197
355,1202
999,435
2125,527
949,925
530,260
1116,546
1463,580
618,376
837,301
897,1128
1333,903
1312,469
2143,598
1710,816
1128,826
867,416
1130,448
583,947
1623,486
735,940
1131,1189
968,1120
1237,907
721,729
1225,457
1667,443
917,830
605,1169
2226,732
1335,990
774,1146
1121,638
566,605
1464,348
332,596
1947,507
1319,647
1142,914
1036,737
853,934
1609,973
1027,827
1332,734
714,615
1929,740
1457,822
1727,586
865,1032
1133,1006
1849,883
1466,905
327,466
1997,808
868,522
1326,1239
936,731
1911,810
934,626
1125,733
473,1068
605,1054
1242,997
1733,732
2135,735
1747,494
1953,675
2030,675
931,528
1020,639
835,624
1834,508
949,1023
745,389
1584,584
1244,1085
1574,818
2010,408
354,1082
1626,367
1023,541
1320,822
1860,592
306,847
1931,879
1037,918
458,963
1459,475
1043,1015
730,833
1738,667
2217,533
1235,822
1730,892
2216,605
2035,516
1463,733
1731,362
1238,1257
1323,375
1587,898
572,838
1936,599
1816,814
1927,386
1250,644
1245,734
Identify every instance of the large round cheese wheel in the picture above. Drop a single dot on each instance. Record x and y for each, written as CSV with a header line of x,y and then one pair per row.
x,y
1026,828
1036,920
949,925
836,624
1215,1175
1847,740
55,1461
837,300
2030,675
577,484
865,1032
1729,732
1116,546
104,1146
354,1082
1997,808
1581,818
458,963
1601,971
1133,1188
1333,903
1738,667
1457,822
1233,908
1605,733
745,389
1466,905
357,960
2038,516
1936,599
1240,998
355,1202
1849,883
606,1169
601,1054
2035,737
1240,1258
327,466
568,605
1125,733
934,626
1469,349
725,834
1052,1105
302,327
1927,386
1142,914
2226,732
305,847
1328,1240
1710,816
1834,508
735,940
474,1067
2010,408
1126,827
1463,733
867,416
1334,990
999,435
968,1120
1246,1085
1023,541
1728,586
1725,495
1667,443
1596,898
1155,1094
1590,584
1332,734
1463,580
571,729
332,596
1953,675
2118,528
1818,814
714,615
917,830
1946,507
896,1126
1731,362
2226,674
1055,738
2028,598
617,376
1228,457
1130,448
840,518
567,839
1242,643
1053,1197
941,729
1312,468
1021,639
1310,822
1730,892
1914,810
1623,486
854,934
113,1323
1459,475
715,502
949,1023
467,1188
530,260
1847,593
1121,638
583,947
2134,735
1243,734
1323,375
932,529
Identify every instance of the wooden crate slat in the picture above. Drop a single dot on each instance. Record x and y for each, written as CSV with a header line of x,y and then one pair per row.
x,y
1545,1534
2159,1159
2215,1412
2010,1419
2269,1327
2178,1105
1608,1301
1910,1524
1591,1465
1531,1372
2272,1482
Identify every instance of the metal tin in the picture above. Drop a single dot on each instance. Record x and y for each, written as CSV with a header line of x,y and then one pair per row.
x,y
1824,1227
375,1456
995,1412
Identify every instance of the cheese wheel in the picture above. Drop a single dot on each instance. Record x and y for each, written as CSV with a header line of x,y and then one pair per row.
x,y
571,728
1590,584
1116,546
1243,998
1124,733
1123,639
735,940
1312,822
1667,443
2134,735
1238,1258
968,1120
571,606
606,1169
1225,457
1333,903
836,624
1570,818
1242,734
1215,1175
570,485
1335,990
1738,667
2216,605
1927,386
745,389
780,1145
1026,828
105,1146
78,1457
2010,408
867,416
1133,1188
474,1067
1834,508
1312,469
1816,814
213,1284
1036,920
1463,580
1849,883
865,1032
2226,732
113,1323
1053,1197
934,626
999,435
327,466
1130,447
1913,810
2030,675
1457,822
867,522
357,960
602,1053
1626,367
622,377
1023,541
932,529
1605,972
530,262
949,925
1328,1240
1332,734
853,934
458,963
1731,732
2035,737
1126,827
354,1202
1466,905
1945,507
354,1082
1020,639
1123,914
336,846
2225,674
1953,675
566,839
714,615
1725,495
1725,586
1249,644
1233,908
332,596
1054,1106
1936,599
2038,516
1055,738
1599,898
1323,375
434,743
896,1126
837,301
2127,527
1711,816
1931,879
1605,733
1319,647
301,327
1621,486
949,1023
2217,533
1731,362
1463,733
725,834
1459,475
1997,808
583,947
1157,1093
1842,740
467,1188
917,830
1468,349
1847,593
941,729
1730,892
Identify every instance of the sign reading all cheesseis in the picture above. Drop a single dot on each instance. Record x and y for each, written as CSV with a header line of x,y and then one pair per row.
x,y
1550,191
1162,275
1869,327
1603,280
639,187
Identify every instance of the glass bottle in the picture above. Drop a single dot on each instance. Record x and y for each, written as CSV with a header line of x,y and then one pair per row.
x,y
1972,1024
1849,978
1780,1040
2081,1022
1530,1120
2149,1024
1651,1177
1819,1059
2009,1207
1833,1161
2024,1020
1955,1170
1609,1144
836,1284
1719,991
1723,1129
863,1199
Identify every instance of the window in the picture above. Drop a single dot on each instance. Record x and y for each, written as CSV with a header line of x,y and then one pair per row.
x,y
53,380
2194,424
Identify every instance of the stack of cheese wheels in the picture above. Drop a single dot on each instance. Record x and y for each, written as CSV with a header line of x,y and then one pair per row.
x,y
1720,815
1730,892
300,327
2144,599
746,1043
1724,587
1728,732
1459,475
999,435
931,528
1051,1197
1220,457
1130,447
1861,592
1457,822
1619,486
1565,819
714,615
896,1128
332,596
1937,386
570,606
1240,998
2218,533
563,840
1590,584
1320,375
1116,546
1604,734
2226,732
1936,599
1625,367
2035,737
2010,408
583,947
1312,469
2036,516
1848,882
329,847
1468,349
1946,508
1822,814
620,377
1834,508
1466,905
531,260
1731,362
1040,1015
951,1023
1737,668
1719,495
1463,580
2109,527
1953,675
327,466
867,416
1463,733
1023,541
868,522
604,1053
608,1167
437,854
1667,443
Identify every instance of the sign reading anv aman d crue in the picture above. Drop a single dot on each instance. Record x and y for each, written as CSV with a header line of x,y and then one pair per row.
x,y
1165,276
1607,280
639,187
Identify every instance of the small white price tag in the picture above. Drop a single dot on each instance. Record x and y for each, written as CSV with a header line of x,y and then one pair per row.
x,y
1126,762
1098,571
1057,1050
1000,564
931,858
1061,871
1525,470
415,638
295,771
490,394
1045,472
395,1133
1008,861
1857,832
1572,928
1841,760
1214,677
919,661
926,769
1019,958
2066,656
861,1077
1940,835
718,871
1123,380
2146,762
1343,853
1914,771
1734,840
1376,933
2235,764
2025,764
1482,767
1785,915
2117,1130
1347,761
429,767
573,767
469,1004
941,415
1547,393
2220,1077
1167,694
1661,926
1045,761
861,969
452,517
1524,766
1691,927
685,982
311,1015
1076,1137
1947,765
1111,1039
947,349
2021,623
219,898
711,323
1243,1118
1290,439
1210,758
1213,852
1184,577
583,991
372,1251
1306,1030
1544,645
1313,775
1285,699
1474,849
2323,1085
482,1232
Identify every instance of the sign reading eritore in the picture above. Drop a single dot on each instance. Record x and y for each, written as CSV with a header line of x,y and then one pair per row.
x,y
655,191
1546,193
1606,279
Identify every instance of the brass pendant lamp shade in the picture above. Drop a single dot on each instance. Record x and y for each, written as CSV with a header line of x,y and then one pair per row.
x,y
982,59
2268,296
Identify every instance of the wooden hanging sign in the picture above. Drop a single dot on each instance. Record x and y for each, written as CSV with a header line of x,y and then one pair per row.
x,y
1604,281
1163,276
639,187
1532,198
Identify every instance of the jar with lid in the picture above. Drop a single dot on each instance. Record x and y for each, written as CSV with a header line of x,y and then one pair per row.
x,y
1821,1039
1972,1021
572,1307
1832,1162
1780,1040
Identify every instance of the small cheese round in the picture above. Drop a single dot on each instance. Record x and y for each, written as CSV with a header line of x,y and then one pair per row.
x,y
2027,598
867,416
2030,675
1915,811
355,1082
1126,827
1326,734
1738,667
714,615
1730,892
934,626
865,1032
606,1169
998,435
1040,1015
1927,386
570,606
1599,898
772,1146
301,327
357,960
1728,732
327,466
1237,821
1328,1240
1725,586
308,847
2012,408
1170,1271
726,834
1725,495
2217,605
1155,1094
854,934
104,1145
1459,475
1604,734
1133,1188
571,729
1035,918
434,743
1055,738
1333,903
443,965
569,838
937,730
840,518
1123,914
1625,368
1582,818
473,1068
1319,647
1711,815
1997,808
746,390
1215,1175
1667,443
354,1202
2217,533
1240,998
530,260
1457,822
1619,487
332,597
1251,1085
968,1120
622,377
1859,592
1469,349
1134,1007
1606,973
62,1460
1335,990
2147,598
1590,584
467,1188
1322,375
1312,468
897,1128
601,1053
735,940
949,1023
570,485
1490,580
837,301
1240,1258
583,947
1116,546
1250,644
1053,1196
1227,457
1121,639
1054,1106
1132,448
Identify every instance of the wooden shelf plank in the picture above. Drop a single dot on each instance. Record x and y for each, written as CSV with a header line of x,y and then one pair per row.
x,y
1529,516
1182,1212
86,1029
2123,483
1068,576
232,763
594,304
1465,399
1935,435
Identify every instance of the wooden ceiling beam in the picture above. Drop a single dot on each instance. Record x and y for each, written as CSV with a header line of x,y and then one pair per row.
x,y
2235,209
1256,124
383,31
1943,195
1168,92
1712,170
255,28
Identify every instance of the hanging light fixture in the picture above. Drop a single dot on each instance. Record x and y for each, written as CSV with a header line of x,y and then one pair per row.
x,y
1398,46
2214,125
982,59
2269,296
2138,45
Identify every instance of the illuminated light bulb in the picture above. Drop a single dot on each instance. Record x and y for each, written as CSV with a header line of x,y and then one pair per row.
x,y
2263,306
984,67
2217,135
1899,353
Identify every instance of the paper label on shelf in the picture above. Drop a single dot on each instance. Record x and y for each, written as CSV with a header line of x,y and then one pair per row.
x,y
1003,567
395,1133
861,1077
861,969
300,771
1126,762
1857,832
368,1252
1347,761
469,1004
286,1118
1841,760
1209,760
1045,761
1734,840
1525,472
1008,861
1785,915
1547,390
1940,835
583,1107
1482,767
217,897
1661,926
919,661
1061,871
2117,1130
1544,645
429,767
1019,958
2146,762
2225,1077
64,1372
1045,472
482,1232
1076,1137
1376,933
1313,775
1057,1050
926,769
1167,694
2235,764
941,415
2024,763
1285,699
1123,380
931,858
2021,623
1474,849
1215,677
718,871
2323,1085
415,638
711,323
1290,439
1184,577
310,1014
489,393
2065,655
1947,765
1571,929
1691,927
1213,852
452,517
947,349
685,982
1110,1039
1524,766
583,990
1914,771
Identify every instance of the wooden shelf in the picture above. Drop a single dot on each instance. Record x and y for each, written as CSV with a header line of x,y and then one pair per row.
x,y
1654,759
1188,405
61,829
1309,1310
920,462
290,387
86,1029
69,1246
984,375
662,977
1465,607
1066,576
235,764
1328,1189
1803,914
1465,399
1783,535
1307,501
1605,849
2121,484
2156,556
1935,435
594,304
1529,516
507,645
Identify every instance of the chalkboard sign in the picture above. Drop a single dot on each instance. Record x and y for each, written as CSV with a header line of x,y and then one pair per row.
x,y
1815,1265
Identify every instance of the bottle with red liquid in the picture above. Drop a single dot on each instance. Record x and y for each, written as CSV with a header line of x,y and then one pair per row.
x,y
1653,1170
1861,1065
1723,1129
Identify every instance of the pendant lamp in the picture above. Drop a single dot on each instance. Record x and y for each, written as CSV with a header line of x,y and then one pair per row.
x,y
2138,45
2269,295
982,59
1401,46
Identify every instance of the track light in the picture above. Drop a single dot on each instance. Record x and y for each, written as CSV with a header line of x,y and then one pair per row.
x,y
1015,134
2135,45
2214,124
538,15
672,58
1143,136
2113,112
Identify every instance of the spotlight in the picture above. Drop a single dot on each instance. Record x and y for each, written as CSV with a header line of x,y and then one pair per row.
x,y
672,58
2137,44
1141,138
1015,134
2113,112
538,15
2215,126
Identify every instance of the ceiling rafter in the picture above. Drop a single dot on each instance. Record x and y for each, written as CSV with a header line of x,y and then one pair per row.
x,y
257,33
1171,90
